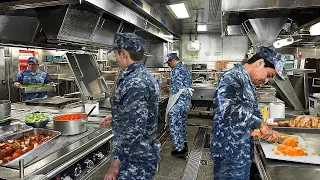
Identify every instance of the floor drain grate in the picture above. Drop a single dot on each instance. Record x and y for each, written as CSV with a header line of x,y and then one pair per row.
x,y
203,162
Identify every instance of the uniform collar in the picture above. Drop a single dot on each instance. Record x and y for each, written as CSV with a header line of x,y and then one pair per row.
x,y
131,68
179,64
38,70
245,73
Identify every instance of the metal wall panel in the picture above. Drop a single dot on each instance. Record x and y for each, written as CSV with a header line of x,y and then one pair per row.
x,y
213,48
158,51
4,93
13,60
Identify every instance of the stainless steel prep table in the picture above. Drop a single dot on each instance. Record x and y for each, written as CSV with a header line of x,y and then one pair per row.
x,y
279,170
67,151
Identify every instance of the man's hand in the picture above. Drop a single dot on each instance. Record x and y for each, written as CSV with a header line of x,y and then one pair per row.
x,y
166,88
113,171
106,122
17,85
52,84
269,134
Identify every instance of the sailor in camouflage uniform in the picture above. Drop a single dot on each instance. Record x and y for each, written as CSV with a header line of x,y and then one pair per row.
x,y
237,114
179,103
32,75
134,113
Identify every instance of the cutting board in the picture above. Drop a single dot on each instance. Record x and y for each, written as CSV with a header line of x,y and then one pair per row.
x,y
309,159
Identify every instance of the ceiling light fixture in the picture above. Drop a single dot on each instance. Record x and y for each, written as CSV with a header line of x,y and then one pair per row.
x,y
315,29
283,42
202,27
179,10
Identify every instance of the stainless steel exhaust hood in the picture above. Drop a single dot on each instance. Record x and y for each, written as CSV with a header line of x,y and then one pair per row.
x,y
264,31
88,23
263,20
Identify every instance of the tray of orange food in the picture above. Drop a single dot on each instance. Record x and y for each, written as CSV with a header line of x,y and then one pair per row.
x,y
298,124
290,148
25,145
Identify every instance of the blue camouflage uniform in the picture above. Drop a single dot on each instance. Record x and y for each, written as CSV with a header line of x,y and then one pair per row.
x,y
237,115
26,77
135,116
178,114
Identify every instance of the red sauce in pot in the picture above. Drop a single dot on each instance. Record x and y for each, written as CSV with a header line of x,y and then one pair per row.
x,y
70,117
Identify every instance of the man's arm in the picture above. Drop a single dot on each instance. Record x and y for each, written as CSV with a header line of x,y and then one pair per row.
x,y
232,107
17,80
47,80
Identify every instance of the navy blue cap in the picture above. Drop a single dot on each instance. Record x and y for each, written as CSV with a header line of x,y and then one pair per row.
x,y
33,59
170,56
128,41
274,57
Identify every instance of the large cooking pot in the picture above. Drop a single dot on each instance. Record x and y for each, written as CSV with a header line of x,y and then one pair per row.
x,y
70,124
5,108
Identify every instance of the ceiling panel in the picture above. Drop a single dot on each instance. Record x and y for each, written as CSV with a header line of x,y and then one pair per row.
x,y
204,11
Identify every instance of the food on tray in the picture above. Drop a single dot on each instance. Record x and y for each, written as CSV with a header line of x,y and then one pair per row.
x,y
290,151
290,142
68,117
303,121
35,117
34,85
286,145
289,147
6,133
12,149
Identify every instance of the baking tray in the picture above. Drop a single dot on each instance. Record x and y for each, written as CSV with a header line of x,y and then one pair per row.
x,y
309,159
34,153
37,89
294,129
13,128
52,102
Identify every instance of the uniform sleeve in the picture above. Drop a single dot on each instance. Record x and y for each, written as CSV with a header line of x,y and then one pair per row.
x,y
134,120
18,78
234,109
176,81
47,80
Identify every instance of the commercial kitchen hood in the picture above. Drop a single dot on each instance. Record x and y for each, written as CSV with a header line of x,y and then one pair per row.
x,y
70,24
264,20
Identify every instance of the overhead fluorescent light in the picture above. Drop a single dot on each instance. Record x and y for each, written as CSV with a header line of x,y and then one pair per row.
x,y
202,27
315,29
179,10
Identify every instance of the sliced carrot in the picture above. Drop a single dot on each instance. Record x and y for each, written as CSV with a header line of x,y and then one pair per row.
x,y
256,133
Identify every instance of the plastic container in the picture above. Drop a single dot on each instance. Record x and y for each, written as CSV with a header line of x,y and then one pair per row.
x,y
265,111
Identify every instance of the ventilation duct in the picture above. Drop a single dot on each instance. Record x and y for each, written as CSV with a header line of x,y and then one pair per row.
x,y
264,31
263,20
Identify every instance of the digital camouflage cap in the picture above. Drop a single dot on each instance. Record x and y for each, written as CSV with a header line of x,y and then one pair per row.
x,y
128,41
274,57
171,55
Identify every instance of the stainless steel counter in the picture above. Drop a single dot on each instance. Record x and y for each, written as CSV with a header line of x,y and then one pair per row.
x,y
65,150
280,170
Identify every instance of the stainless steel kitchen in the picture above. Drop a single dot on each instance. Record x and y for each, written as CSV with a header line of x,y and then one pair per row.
x,y
159,89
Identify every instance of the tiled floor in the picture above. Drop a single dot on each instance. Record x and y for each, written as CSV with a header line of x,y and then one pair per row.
x,y
172,168
205,171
